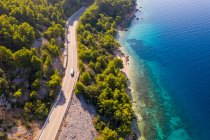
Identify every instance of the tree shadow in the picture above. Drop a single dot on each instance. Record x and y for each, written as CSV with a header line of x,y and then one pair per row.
x,y
76,16
86,106
61,100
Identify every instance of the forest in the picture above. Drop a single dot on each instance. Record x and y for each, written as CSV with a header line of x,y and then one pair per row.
x,y
29,77
101,81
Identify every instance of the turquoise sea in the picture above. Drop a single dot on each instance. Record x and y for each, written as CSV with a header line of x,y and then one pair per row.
x,y
169,48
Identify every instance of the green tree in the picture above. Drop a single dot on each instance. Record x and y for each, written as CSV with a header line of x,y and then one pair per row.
x,y
23,58
47,66
118,63
33,94
79,88
3,85
55,81
54,31
28,107
18,93
51,49
6,58
98,67
36,84
24,35
41,110
36,63
85,78
109,134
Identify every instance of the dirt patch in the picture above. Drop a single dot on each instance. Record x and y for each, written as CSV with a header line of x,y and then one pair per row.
x,y
78,125
13,124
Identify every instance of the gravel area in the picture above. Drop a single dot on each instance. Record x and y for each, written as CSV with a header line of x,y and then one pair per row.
x,y
77,124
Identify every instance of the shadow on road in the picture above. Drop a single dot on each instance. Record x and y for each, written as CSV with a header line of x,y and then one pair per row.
x,y
61,100
76,16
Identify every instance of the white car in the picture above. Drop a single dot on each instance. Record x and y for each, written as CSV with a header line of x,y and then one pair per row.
x,y
72,73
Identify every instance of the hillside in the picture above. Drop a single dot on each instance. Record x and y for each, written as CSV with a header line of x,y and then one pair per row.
x,y
102,82
32,33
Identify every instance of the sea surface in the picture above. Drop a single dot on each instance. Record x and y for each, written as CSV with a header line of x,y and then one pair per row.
x,y
169,48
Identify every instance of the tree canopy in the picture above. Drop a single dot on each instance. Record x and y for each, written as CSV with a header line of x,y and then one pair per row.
x,y
27,73
101,81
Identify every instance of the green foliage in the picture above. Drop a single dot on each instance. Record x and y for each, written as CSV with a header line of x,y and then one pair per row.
x,y
109,134
85,78
24,35
47,66
79,88
3,136
118,63
23,58
26,69
28,107
55,31
41,110
36,84
7,58
119,8
3,85
70,6
33,94
36,63
53,50
101,81
54,83
14,34
18,93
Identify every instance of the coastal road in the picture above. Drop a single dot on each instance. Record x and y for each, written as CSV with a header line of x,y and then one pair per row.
x,y
53,122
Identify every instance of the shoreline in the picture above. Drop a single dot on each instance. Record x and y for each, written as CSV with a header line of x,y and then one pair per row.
x,y
141,89
128,64
127,69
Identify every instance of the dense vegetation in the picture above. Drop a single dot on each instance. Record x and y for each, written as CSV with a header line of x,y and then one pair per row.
x,y
24,70
29,77
69,6
101,81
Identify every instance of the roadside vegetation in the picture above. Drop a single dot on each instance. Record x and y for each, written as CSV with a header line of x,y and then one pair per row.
x,y
29,77
101,81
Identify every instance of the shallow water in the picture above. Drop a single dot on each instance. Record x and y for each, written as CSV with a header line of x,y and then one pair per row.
x,y
170,50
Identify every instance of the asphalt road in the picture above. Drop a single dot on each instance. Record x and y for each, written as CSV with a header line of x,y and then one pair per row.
x,y
51,126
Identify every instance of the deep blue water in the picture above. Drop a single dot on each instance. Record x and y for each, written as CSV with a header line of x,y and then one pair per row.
x,y
172,42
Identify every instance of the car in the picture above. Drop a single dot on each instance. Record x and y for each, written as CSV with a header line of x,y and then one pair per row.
x,y
72,73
